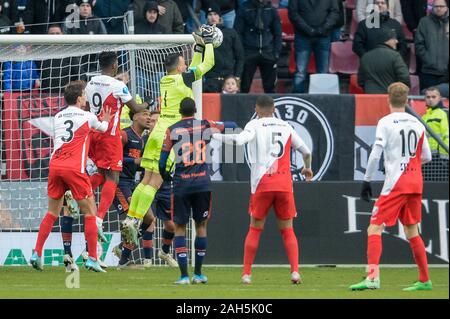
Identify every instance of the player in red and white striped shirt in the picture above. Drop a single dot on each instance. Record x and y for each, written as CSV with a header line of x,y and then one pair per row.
x,y
401,138
269,142
68,170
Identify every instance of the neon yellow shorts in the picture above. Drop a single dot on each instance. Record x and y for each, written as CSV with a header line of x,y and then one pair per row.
x,y
152,150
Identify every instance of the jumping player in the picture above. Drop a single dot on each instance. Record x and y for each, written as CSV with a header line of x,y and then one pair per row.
x,y
401,138
270,140
68,170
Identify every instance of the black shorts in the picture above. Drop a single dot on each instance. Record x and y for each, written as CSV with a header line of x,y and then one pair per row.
x,y
122,199
162,209
200,203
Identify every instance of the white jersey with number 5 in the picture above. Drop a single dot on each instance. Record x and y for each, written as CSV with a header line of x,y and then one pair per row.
x,y
72,126
402,138
104,90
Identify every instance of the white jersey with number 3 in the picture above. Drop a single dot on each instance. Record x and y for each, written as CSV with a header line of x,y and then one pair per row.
x,y
402,137
104,90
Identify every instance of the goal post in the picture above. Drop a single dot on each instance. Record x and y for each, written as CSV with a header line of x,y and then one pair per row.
x,y
34,71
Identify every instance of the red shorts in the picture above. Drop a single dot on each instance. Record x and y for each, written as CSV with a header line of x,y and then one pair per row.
x,y
61,180
283,203
389,208
106,151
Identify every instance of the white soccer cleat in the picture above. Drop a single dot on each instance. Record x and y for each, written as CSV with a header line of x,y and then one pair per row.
x,y
296,278
148,263
167,258
246,279
72,205
70,264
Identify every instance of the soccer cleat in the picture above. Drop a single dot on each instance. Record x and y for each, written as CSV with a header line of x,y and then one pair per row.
x,y
70,263
148,263
418,285
36,262
101,235
199,279
130,231
85,256
72,205
167,258
129,266
117,251
366,284
182,281
93,265
102,263
246,279
295,278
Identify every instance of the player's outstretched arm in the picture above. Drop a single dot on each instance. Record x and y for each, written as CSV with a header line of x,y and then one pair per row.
x,y
101,126
136,108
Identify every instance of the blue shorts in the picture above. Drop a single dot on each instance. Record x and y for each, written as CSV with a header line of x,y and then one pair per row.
x,y
124,190
199,203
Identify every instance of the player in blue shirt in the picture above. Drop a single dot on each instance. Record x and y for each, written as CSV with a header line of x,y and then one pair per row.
x,y
189,139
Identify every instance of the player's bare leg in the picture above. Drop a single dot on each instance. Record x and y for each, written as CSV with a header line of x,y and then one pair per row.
x,y
251,247
141,201
181,251
420,256
66,233
291,246
45,228
106,198
200,252
374,248
167,238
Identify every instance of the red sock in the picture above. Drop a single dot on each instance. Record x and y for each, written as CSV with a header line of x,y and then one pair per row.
x,y
44,230
106,198
250,248
420,256
291,246
374,248
90,234
96,180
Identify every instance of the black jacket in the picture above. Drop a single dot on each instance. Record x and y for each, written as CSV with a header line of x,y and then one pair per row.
x,y
366,38
259,36
413,11
229,57
225,5
45,12
313,18
56,73
5,23
145,27
381,67
91,25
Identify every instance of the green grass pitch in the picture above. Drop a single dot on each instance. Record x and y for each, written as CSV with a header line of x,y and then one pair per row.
x,y
224,282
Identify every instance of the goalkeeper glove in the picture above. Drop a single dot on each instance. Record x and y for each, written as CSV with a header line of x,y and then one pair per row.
x,y
198,39
150,102
366,191
208,32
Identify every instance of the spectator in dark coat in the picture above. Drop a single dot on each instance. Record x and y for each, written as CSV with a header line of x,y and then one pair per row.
x,y
42,13
383,65
57,73
5,22
88,24
367,34
259,26
412,12
169,15
229,57
150,25
112,8
313,23
227,8
432,45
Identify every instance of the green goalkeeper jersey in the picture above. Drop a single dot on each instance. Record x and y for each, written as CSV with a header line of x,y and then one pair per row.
x,y
174,88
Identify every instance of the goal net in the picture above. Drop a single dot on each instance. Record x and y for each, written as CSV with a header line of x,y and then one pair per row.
x,y
34,71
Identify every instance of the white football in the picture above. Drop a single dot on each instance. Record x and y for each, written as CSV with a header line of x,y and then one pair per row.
x,y
218,38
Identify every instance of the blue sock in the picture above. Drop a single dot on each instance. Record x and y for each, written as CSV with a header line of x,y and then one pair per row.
x,y
66,233
181,251
200,252
147,244
126,252
167,238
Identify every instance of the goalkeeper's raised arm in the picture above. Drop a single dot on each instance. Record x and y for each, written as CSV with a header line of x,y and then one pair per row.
x,y
203,59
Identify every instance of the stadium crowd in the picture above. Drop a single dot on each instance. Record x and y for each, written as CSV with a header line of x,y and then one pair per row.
x,y
293,38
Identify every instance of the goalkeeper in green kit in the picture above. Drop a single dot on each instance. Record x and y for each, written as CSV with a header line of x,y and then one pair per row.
x,y
174,87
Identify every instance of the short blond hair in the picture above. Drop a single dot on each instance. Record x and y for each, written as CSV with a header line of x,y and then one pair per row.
x,y
398,94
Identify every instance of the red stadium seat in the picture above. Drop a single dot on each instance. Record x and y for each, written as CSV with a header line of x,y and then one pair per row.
x,y
343,59
415,85
293,66
286,26
350,4
354,87
412,59
354,24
